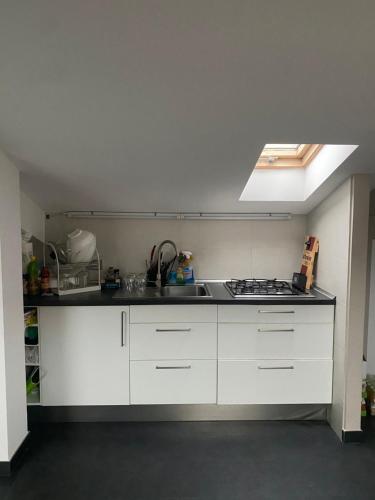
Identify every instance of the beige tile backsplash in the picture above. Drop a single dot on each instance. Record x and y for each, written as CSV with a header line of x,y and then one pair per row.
x,y
222,249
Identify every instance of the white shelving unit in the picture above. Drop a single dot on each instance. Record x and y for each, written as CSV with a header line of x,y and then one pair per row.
x,y
32,355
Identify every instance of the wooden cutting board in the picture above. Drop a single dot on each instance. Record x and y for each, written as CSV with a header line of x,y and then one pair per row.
x,y
311,248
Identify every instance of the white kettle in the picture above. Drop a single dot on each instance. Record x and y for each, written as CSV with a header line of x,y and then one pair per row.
x,y
81,246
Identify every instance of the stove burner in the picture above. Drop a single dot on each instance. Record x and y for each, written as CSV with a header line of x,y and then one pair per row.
x,y
260,287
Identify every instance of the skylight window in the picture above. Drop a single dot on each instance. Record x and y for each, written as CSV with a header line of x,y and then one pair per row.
x,y
287,155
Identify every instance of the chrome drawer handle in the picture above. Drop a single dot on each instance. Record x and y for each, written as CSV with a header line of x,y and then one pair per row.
x,y
124,328
276,367
275,312
187,367
263,330
159,330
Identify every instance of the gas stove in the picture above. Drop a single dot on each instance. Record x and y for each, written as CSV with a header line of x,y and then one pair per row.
x,y
262,288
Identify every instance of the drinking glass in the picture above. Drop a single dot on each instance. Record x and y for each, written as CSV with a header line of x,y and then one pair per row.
x,y
130,282
141,282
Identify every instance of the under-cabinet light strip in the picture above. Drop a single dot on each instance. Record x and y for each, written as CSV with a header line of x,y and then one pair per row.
x,y
180,216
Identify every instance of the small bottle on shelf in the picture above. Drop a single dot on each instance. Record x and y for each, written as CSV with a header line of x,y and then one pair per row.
x,y
44,281
33,276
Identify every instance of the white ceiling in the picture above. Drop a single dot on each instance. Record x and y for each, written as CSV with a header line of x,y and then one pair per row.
x,y
166,105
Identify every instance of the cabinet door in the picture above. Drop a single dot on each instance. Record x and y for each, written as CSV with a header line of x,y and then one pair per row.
x,y
270,313
173,341
275,341
187,381
84,355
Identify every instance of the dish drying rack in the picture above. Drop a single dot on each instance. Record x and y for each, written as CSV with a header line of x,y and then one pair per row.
x,y
74,278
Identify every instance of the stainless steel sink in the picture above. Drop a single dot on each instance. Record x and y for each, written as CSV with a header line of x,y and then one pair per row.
x,y
197,290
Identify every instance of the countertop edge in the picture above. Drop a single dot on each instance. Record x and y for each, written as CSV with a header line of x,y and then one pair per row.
x,y
220,296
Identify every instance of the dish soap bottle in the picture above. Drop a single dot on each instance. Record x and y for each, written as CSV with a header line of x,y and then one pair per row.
x,y
188,267
180,279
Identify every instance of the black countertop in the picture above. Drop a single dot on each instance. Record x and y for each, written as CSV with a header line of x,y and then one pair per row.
x,y
151,296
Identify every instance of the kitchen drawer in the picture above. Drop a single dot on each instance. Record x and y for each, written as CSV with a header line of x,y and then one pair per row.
x,y
275,314
278,341
173,341
173,382
275,382
173,314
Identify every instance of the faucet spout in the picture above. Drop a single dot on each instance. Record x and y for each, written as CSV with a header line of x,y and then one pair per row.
x,y
162,244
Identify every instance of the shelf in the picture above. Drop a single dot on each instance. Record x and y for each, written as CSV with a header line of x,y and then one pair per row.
x,y
32,355
33,399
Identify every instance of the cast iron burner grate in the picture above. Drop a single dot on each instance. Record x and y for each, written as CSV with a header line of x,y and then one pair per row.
x,y
250,287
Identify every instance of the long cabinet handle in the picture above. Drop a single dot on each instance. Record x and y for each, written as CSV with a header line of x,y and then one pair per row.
x,y
124,327
160,330
291,367
275,312
184,367
273,330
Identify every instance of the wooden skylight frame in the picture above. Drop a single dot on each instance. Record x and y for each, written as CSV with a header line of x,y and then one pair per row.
x,y
295,156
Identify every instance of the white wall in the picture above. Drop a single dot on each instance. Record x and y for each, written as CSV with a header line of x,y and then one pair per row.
x,y
369,348
330,223
32,217
287,184
356,308
335,221
222,249
13,419
324,164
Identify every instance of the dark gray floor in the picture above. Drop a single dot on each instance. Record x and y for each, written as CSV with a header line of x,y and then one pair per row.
x,y
194,461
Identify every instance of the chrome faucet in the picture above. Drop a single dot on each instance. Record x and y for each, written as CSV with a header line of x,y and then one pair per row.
x,y
165,242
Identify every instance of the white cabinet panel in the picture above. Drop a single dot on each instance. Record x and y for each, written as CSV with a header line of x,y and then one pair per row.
x,y
84,355
173,382
173,314
275,313
173,341
262,341
275,382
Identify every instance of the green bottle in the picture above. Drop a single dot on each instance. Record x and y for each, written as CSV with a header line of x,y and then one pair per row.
x,y
33,276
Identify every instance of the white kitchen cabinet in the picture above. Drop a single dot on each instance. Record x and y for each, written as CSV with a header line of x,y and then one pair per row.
x,y
173,352
84,355
275,354
186,354
287,381
173,382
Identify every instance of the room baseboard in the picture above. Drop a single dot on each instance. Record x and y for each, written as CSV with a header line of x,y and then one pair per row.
x,y
7,468
155,413
352,436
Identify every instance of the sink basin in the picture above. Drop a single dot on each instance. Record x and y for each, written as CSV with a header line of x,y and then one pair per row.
x,y
198,290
